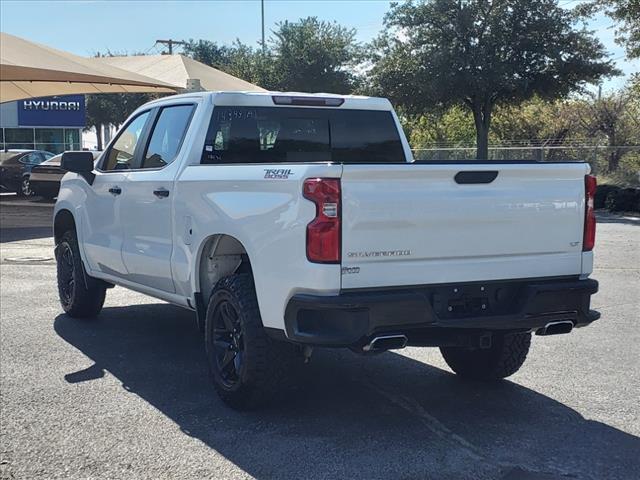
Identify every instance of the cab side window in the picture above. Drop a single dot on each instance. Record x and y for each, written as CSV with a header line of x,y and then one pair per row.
x,y
168,133
122,153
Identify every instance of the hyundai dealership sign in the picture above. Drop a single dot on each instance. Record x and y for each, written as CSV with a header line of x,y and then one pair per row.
x,y
67,111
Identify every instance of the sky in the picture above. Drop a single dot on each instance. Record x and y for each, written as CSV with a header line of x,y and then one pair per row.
x,y
85,27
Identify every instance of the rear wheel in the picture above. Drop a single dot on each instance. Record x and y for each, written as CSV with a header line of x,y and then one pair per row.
x,y
81,296
25,187
248,367
504,358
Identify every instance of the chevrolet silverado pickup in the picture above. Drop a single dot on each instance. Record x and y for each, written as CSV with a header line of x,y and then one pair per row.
x,y
294,221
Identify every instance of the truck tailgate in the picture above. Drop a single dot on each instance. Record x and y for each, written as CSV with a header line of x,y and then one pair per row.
x,y
414,224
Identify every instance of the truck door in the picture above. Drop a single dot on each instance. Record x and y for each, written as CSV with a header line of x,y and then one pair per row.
x,y
102,227
146,208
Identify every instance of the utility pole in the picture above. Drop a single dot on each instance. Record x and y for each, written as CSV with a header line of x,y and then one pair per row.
x,y
170,43
263,45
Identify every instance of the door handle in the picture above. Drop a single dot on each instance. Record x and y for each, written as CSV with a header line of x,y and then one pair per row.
x,y
471,177
161,193
115,190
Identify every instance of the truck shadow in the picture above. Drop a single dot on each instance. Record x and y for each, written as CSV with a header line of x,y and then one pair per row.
x,y
607,217
22,220
350,416
24,233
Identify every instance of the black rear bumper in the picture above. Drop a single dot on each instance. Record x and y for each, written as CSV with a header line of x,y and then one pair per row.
x,y
352,317
45,188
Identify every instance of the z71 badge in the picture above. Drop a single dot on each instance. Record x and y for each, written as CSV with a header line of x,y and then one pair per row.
x,y
277,173
350,270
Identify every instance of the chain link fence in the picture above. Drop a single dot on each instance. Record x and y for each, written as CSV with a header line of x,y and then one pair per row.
x,y
620,163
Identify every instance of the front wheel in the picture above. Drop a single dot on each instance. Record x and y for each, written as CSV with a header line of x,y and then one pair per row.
x,y
81,296
504,358
248,367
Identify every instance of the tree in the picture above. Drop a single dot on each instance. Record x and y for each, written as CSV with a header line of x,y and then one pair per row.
x,y
314,56
452,128
480,53
626,13
105,109
307,55
112,109
615,117
536,122
238,59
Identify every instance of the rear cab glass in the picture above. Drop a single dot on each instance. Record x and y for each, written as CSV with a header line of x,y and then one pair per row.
x,y
301,135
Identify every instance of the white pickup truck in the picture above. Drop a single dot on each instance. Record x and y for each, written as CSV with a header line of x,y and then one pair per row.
x,y
291,221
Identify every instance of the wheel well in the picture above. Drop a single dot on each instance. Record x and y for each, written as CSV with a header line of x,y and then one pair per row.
x,y
222,255
64,222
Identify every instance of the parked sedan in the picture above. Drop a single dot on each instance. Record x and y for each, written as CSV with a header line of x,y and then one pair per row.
x,y
15,169
45,178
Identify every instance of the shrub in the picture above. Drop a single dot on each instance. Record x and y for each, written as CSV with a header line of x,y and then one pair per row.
x,y
602,192
623,200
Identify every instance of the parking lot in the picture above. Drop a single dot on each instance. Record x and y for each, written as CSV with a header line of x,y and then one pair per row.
x,y
127,395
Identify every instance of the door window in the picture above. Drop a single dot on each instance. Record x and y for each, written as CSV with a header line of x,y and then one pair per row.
x,y
122,153
167,136
32,159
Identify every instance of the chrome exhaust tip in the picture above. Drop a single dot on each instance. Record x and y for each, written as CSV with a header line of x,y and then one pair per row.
x,y
556,328
386,342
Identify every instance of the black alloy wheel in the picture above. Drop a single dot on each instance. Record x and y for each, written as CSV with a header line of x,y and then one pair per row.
x,y
228,343
66,274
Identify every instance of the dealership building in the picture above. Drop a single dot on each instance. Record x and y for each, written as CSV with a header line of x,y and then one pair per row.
x,y
53,124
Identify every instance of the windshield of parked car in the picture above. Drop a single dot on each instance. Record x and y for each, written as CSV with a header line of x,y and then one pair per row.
x,y
293,135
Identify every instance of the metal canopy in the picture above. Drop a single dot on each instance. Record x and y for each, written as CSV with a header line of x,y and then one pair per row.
x,y
181,72
29,70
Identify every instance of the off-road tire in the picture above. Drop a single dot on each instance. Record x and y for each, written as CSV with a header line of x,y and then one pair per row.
x,y
505,357
81,296
265,363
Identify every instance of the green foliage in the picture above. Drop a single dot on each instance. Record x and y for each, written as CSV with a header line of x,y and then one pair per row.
x,y
626,13
112,109
314,56
615,118
308,55
605,132
480,53
623,200
452,128
239,60
542,122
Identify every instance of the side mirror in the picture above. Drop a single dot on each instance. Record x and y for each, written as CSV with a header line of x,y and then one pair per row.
x,y
80,163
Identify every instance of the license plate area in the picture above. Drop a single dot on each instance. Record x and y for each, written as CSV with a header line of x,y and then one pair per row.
x,y
475,300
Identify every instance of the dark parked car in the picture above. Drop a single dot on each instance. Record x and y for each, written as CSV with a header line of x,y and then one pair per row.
x,y
45,178
15,169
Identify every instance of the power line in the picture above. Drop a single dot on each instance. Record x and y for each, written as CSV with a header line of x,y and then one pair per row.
x,y
170,43
146,52
567,2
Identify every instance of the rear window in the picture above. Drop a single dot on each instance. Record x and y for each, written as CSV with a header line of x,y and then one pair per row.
x,y
296,135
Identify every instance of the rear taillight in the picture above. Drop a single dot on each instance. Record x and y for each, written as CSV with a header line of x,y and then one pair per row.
x,y
589,238
323,233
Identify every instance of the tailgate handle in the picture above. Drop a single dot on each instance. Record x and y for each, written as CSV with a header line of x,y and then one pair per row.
x,y
470,177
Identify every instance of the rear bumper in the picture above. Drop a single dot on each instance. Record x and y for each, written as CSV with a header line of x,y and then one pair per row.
x,y
44,187
350,318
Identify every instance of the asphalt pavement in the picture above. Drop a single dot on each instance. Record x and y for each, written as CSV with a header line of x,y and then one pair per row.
x,y
127,396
